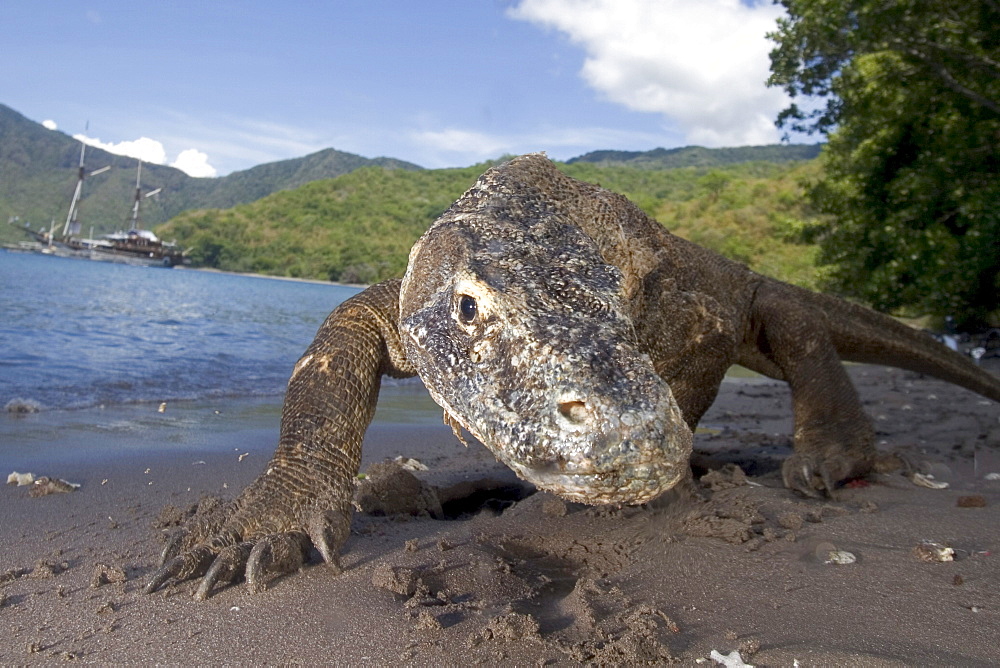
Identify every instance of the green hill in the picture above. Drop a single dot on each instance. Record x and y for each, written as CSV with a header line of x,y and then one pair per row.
x,y
38,168
359,227
753,212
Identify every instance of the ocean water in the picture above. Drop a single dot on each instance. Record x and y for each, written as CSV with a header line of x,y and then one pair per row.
x,y
98,346
77,334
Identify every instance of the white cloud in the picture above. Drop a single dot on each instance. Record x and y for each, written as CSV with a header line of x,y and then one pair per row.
x,y
191,161
194,163
702,64
49,124
143,148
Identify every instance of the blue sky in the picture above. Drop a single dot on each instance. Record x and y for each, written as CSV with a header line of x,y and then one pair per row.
x,y
215,86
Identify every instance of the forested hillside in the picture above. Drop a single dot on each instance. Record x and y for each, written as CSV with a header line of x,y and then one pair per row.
x,y
754,213
38,173
359,227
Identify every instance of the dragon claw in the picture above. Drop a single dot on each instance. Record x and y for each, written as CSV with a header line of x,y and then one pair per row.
x,y
158,580
813,476
275,553
224,553
172,547
228,565
181,567
256,558
328,530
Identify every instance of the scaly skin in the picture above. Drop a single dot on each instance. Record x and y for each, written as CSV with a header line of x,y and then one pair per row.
x,y
304,495
580,342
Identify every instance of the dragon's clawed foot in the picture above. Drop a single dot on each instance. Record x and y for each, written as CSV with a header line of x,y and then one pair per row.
x,y
254,553
191,563
814,475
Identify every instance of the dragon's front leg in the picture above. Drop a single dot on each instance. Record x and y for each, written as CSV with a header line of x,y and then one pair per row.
x,y
304,496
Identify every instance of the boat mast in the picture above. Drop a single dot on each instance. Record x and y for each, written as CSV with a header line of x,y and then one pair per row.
x,y
72,226
138,198
136,225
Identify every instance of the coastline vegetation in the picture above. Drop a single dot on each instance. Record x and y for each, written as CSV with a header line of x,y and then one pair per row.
x,y
359,227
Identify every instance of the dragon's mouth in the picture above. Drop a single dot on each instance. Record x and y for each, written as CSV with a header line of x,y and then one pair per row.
x,y
594,459
628,485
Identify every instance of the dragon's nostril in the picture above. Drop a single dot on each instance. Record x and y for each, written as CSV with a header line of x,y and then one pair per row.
x,y
574,411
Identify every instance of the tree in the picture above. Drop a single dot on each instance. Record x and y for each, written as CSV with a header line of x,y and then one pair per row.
x,y
909,96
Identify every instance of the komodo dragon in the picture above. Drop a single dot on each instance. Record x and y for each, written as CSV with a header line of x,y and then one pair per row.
x,y
576,338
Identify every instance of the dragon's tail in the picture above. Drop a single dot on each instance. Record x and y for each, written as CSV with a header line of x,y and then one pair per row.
x,y
863,335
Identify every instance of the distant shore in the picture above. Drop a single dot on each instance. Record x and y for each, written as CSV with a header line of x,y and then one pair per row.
x,y
14,248
277,278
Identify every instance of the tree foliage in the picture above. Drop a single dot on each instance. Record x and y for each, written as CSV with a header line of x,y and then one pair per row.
x,y
909,96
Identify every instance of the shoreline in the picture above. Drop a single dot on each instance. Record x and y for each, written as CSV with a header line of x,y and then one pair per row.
x,y
741,568
316,281
91,433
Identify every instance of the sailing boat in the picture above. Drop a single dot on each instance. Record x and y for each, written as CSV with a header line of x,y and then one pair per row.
x,y
136,246
68,243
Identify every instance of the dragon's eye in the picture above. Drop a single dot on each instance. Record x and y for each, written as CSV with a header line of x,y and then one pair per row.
x,y
467,309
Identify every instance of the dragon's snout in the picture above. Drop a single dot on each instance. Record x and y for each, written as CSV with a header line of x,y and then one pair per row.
x,y
606,450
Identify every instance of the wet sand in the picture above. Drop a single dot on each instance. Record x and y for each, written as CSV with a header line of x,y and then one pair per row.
x,y
536,581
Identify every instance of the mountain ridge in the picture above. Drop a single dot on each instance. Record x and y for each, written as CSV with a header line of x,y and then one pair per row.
x,y
699,156
38,175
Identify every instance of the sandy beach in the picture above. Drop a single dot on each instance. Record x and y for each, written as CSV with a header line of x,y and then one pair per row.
x,y
507,576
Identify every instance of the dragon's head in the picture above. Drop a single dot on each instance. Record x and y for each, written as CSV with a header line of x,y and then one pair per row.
x,y
521,331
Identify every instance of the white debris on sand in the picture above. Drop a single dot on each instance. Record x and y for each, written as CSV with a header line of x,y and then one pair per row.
x,y
731,660
840,558
23,406
927,481
410,464
20,479
929,550
45,485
